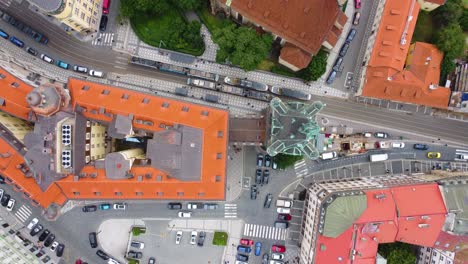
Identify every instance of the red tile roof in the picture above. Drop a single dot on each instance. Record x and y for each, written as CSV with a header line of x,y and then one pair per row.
x,y
386,77
15,97
304,23
295,56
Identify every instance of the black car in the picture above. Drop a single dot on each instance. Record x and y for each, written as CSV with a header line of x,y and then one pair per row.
x,y
253,192
415,146
174,206
344,49
265,258
59,250
102,254
201,239
4,201
103,24
258,176
32,51
266,176
93,240
49,240
268,200
89,208
2,180
44,235
134,254
241,257
37,228
152,260
267,161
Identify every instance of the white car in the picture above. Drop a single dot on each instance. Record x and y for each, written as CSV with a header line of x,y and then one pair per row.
x,y
136,244
380,135
112,261
193,237
282,210
276,262
194,206
95,73
47,58
120,206
33,223
398,145
10,205
178,237
54,246
185,214
277,256
367,134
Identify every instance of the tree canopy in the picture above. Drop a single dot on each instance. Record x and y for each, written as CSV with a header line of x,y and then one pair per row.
x,y
132,8
188,4
316,67
397,253
449,13
284,160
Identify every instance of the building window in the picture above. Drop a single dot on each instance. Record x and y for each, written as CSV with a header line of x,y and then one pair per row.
x,y
85,5
76,193
219,155
180,194
220,134
82,15
15,84
205,113
185,108
97,193
139,193
159,193
165,105
118,193
88,19
77,11
218,178
95,13
93,21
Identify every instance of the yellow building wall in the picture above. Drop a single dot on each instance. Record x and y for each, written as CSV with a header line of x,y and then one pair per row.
x,y
98,141
81,15
18,127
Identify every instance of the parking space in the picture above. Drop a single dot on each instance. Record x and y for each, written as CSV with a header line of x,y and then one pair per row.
x,y
377,168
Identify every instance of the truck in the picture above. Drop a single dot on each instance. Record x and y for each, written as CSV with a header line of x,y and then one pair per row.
x,y
284,203
378,157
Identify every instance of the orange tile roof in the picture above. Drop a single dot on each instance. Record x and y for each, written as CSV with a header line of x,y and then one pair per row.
x,y
439,2
15,97
295,56
304,23
386,77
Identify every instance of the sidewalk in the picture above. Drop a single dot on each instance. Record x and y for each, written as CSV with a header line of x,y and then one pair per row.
x,y
234,173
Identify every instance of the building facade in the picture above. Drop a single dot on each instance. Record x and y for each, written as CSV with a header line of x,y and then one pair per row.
x,y
429,255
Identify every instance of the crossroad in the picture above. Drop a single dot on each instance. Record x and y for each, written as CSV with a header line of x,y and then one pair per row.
x,y
23,213
268,232
300,168
104,39
230,210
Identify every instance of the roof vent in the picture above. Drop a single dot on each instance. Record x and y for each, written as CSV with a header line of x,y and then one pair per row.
x,y
432,86
307,9
423,225
285,26
303,34
266,14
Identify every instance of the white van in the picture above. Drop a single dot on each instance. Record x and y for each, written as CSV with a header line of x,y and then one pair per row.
x,y
329,155
378,157
95,73
461,157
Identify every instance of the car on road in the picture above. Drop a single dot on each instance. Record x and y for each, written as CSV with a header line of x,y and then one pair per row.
x,y
37,228
134,254
137,244
112,261
351,35
241,257
258,176
103,23
332,76
398,145
63,64
210,206
152,260
381,135
174,206
265,258
357,4
284,217
281,224
195,206
338,63
4,201
33,223
193,237
259,160
278,248
105,206
268,199
95,73
421,146
201,238
178,237
17,42
356,18
120,206
344,50
244,249
89,208
32,51
102,254
60,249
258,248
185,214
267,160
81,69
367,134
93,240
253,192
3,34
266,176
49,240
277,256
54,245
292,93
246,242
283,210
10,205
433,155
44,235
47,59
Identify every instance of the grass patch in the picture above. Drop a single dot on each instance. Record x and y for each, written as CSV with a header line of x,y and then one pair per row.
x,y
220,238
266,65
210,21
133,261
424,28
282,70
136,230
152,29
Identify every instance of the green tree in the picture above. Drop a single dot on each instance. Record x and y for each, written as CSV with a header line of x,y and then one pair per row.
x,y
450,40
464,20
132,8
397,253
316,67
188,4
449,13
284,160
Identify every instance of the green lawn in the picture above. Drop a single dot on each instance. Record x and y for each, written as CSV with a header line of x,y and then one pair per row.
x,y
220,238
424,28
210,21
153,29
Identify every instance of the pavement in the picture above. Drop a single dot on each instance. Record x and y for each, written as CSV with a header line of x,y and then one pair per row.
x,y
113,236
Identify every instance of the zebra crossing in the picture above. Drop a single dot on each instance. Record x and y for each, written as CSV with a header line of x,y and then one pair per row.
x,y
230,210
6,3
267,232
23,213
300,168
104,39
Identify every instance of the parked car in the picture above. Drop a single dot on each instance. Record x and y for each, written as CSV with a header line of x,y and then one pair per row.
x,y
33,223
105,206
81,69
17,42
134,254
32,51
258,248
266,176
267,160
185,214
381,135
178,237
244,249
47,59
278,248
102,254
331,76
60,249
54,245
253,192
344,49
103,23
3,34
246,242
152,260
93,240
357,4
195,206
120,206
174,206
284,217
351,35
138,245
338,63
430,155
367,134
95,73
201,238
193,237
10,205
265,258
44,235
258,176
281,224
398,145
283,210
37,228
268,200
357,17
63,64
277,256
5,199
89,208
259,160
241,257
112,261
106,6
210,206
421,146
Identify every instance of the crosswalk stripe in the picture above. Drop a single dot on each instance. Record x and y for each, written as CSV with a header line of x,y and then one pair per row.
x,y
262,231
23,213
461,150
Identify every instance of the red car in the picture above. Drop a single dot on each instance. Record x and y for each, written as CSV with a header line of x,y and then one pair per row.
x,y
284,217
246,242
278,248
357,4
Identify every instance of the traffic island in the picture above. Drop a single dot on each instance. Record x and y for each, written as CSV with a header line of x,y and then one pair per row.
x,y
220,238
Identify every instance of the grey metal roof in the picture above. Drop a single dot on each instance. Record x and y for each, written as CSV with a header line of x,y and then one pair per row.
x,y
117,166
120,127
47,5
455,194
179,57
